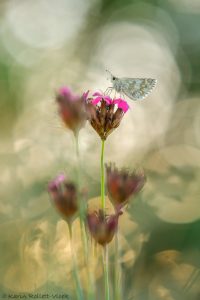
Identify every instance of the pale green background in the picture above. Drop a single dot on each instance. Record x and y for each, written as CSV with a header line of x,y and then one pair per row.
x,y
48,43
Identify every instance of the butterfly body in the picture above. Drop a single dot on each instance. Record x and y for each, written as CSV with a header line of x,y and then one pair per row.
x,y
134,88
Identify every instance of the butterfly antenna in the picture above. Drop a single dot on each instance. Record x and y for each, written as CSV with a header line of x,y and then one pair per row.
x,y
109,73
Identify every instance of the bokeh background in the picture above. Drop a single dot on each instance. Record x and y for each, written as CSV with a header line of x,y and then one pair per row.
x,y
49,43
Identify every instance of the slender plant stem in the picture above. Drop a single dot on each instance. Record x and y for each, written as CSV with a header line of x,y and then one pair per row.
x,y
81,203
90,273
105,248
82,215
77,157
106,272
193,277
102,177
117,270
74,266
77,145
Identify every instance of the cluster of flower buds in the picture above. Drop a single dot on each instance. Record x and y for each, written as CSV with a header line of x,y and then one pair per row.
x,y
121,186
104,115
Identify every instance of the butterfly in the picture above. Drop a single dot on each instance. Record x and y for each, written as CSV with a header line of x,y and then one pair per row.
x,y
134,88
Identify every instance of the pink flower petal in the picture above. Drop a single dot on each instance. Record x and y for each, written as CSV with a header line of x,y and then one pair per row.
x,y
118,100
60,178
98,94
85,95
108,100
121,104
124,106
64,91
96,100
57,181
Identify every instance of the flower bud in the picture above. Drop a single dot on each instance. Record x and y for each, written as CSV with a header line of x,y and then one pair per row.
x,y
71,108
122,184
64,196
103,227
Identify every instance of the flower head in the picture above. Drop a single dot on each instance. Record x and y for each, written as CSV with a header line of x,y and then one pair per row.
x,y
122,184
105,113
103,227
64,196
71,108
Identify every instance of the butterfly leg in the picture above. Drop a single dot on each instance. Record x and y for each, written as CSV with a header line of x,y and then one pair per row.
x,y
108,90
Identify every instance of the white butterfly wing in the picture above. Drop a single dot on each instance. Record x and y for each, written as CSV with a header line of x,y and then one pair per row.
x,y
137,88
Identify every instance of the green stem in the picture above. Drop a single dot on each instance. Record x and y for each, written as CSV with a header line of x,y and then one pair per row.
x,y
82,215
77,146
74,266
102,177
105,248
82,207
117,281
106,272
78,159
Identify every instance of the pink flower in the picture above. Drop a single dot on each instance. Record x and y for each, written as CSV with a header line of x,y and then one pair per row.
x,y
121,103
99,97
104,113
71,108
